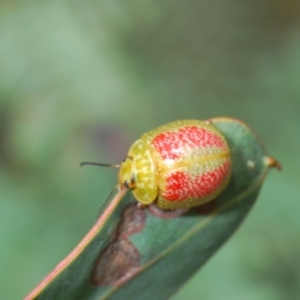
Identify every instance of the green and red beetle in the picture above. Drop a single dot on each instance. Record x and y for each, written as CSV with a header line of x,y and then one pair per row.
x,y
178,165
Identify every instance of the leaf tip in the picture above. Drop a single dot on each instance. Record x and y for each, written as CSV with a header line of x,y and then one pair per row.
x,y
272,162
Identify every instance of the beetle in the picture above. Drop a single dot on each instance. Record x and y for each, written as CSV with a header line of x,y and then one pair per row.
x,y
181,164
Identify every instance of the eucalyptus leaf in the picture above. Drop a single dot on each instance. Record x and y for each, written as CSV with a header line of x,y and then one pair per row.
x,y
134,253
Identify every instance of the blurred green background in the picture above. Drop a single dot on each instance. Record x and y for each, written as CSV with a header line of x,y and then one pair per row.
x,y
81,80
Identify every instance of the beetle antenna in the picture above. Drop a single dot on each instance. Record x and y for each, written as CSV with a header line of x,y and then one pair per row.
x,y
98,164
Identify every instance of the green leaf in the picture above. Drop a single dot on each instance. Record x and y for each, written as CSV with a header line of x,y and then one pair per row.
x,y
134,253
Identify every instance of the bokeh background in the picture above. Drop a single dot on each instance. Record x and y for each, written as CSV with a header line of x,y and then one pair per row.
x,y
81,80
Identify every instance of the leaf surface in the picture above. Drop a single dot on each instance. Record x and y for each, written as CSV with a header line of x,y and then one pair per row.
x,y
133,253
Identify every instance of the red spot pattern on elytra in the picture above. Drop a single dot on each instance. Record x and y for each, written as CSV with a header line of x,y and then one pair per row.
x,y
181,186
170,144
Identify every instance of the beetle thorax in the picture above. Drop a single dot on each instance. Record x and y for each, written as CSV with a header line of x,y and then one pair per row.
x,y
137,172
